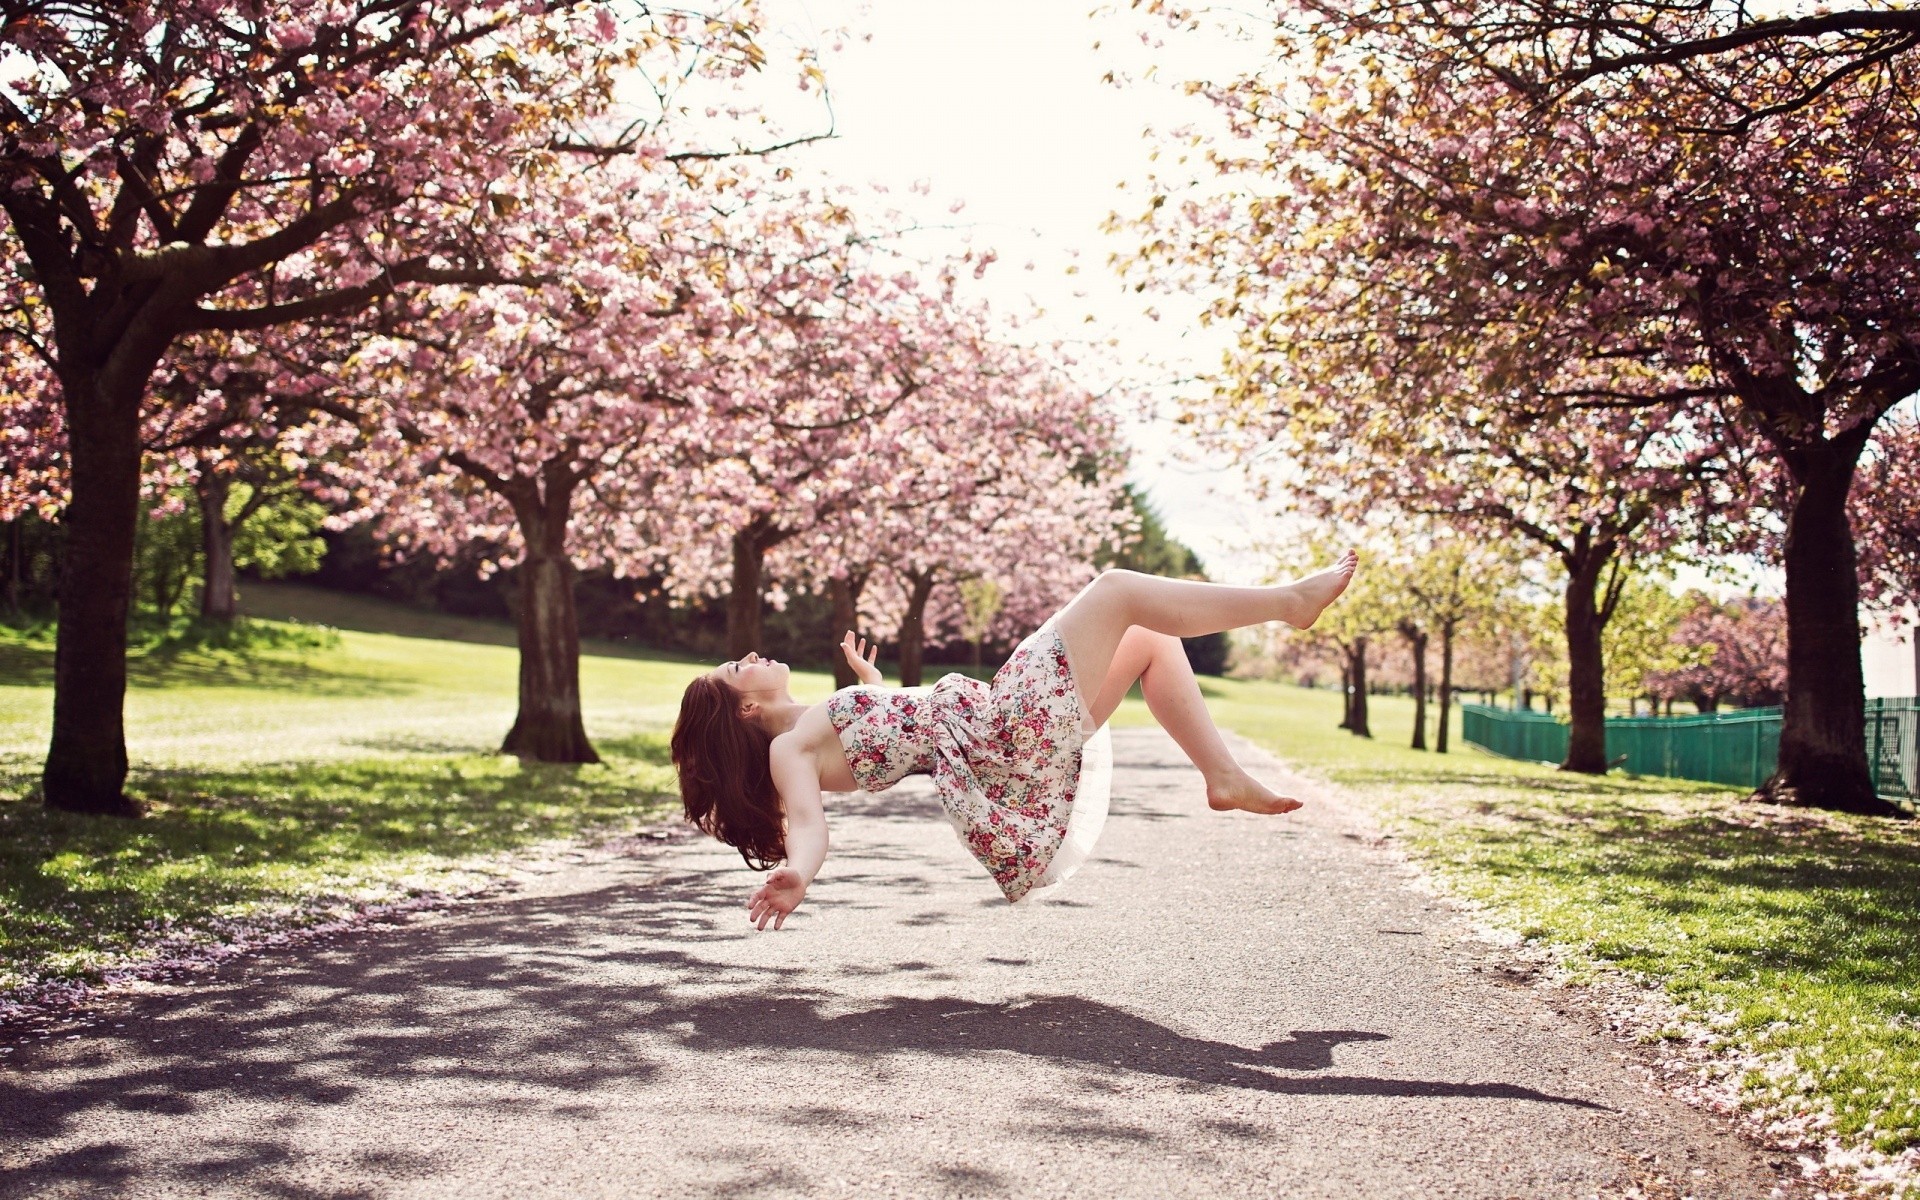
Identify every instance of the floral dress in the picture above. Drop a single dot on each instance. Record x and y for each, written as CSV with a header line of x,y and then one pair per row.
x,y
1019,767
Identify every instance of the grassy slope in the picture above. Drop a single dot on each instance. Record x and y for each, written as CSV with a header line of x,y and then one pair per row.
x,y
1797,930
288,784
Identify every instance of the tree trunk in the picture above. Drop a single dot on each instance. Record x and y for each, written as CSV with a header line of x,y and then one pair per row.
x,y
1586,668
548,726
1357,717
86,767
844,596
1823,745
1446,686
743,601
15,556
913,633
1346,689
1417,643
218,601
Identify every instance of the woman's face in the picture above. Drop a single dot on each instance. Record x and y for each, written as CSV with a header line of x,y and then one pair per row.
x,y
753,677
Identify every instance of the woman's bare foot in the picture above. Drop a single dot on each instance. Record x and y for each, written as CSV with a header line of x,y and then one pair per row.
x,y
1247,794
1307,598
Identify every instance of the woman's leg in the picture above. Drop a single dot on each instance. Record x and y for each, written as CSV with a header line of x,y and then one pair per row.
x,y
1093,623
1159,662
1126,626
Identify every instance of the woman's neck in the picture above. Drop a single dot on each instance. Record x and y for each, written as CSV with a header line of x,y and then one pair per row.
x,y
780,715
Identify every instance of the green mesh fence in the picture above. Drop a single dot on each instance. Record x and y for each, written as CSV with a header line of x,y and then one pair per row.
x,y
1893,747
1739,749
1511,733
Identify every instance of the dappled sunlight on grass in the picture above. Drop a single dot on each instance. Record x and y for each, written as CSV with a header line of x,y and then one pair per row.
x,y
217,846
296,768
1800,926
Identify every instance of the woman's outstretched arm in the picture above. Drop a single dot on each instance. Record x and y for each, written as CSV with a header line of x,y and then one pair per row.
x,y
797,778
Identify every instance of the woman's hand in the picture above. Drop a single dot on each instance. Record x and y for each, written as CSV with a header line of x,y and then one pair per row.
x,y
860,657
778,896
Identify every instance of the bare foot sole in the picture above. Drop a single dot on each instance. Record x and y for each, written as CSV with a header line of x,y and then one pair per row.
x,y
1249,795
1312,595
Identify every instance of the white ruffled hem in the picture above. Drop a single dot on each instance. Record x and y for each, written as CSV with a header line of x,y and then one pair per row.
x,y
1089,815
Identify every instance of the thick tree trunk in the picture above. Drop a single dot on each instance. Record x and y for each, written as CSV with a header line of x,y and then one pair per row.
x,y
913,632
1417,644
1586,668
1446,686
218,600
548,726
86,767
844,596
1823,746
743,601
1357,713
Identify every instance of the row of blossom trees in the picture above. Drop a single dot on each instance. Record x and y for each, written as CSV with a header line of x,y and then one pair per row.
x,y
413,256
1504,280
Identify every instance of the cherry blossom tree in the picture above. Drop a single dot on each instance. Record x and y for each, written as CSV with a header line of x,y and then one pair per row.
x,y
223,411
832,355
875,407
1886,516
187,166
1545,49
1734,652
241,419
1759,279
1002,470
539,425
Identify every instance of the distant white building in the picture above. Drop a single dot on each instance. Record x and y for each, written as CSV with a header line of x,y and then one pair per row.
x,y
1890,656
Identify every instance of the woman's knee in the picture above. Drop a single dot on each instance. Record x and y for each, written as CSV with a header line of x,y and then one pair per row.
x,y
1117,584
1156,647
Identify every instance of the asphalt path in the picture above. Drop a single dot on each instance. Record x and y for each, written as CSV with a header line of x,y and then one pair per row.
x,y
1216,1006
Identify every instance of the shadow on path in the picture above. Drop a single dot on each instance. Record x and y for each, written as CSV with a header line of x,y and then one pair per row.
x,y
569,1001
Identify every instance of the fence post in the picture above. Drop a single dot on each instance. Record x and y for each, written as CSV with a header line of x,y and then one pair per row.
x,y
1873,742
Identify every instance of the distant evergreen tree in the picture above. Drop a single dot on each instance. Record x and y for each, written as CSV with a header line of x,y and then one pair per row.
x,y
1157,553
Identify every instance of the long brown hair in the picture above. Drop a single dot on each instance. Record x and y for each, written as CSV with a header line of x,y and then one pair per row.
x,y
726,778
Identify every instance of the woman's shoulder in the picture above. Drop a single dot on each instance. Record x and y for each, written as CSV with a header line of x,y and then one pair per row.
x,y
814,727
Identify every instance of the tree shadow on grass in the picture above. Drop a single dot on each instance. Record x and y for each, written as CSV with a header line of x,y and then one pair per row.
x,y
1831,900
216,842
169,665
547,1011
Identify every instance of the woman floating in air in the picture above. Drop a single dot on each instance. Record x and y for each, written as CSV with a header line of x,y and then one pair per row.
x,y
1021,764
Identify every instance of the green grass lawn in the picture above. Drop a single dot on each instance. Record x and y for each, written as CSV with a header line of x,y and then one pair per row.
x,y
1794,934
286,784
